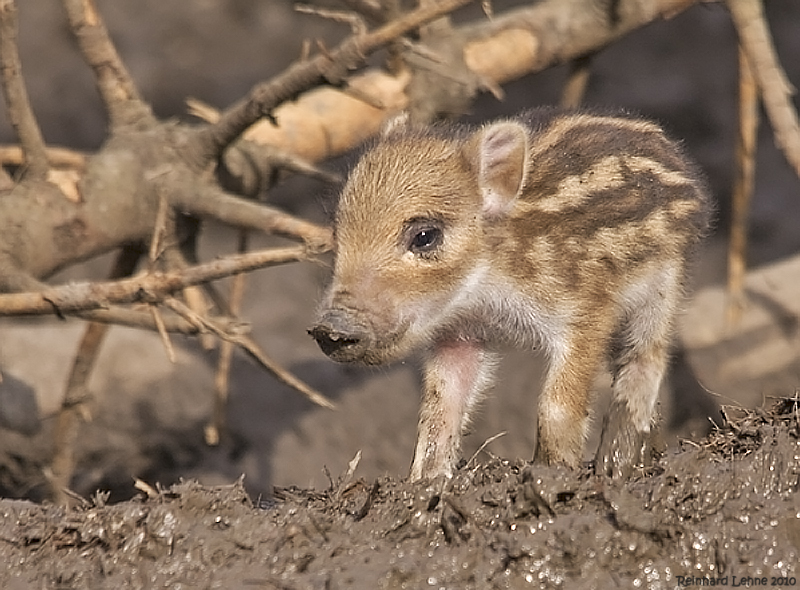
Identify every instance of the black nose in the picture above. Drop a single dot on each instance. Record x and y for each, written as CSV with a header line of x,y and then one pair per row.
x,y
339,338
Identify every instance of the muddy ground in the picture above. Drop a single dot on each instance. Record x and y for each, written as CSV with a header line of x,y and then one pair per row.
x,y
721,511
722,508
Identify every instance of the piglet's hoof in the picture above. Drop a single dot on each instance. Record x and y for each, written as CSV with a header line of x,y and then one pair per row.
x,y
623,447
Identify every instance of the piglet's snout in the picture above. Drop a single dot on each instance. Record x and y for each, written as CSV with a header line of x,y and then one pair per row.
x,y
340,336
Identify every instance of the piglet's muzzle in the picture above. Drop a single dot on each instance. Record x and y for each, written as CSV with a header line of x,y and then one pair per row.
x,y
341,337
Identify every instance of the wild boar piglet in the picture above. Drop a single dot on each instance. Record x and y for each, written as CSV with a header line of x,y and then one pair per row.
x,y
568,231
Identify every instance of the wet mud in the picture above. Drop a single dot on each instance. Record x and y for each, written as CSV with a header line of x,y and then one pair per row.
x,y
723,511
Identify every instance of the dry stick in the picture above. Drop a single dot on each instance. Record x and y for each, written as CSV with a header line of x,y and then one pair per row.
x,y
216,426
143,320
742,188
59,157
174,258
6,182
255,351
485,444
575,87
74,405
160,230
115,84
161,328
150,288
209,201
74,410
357,24
330,67
776,91
163,224
372,11
271,155
20,112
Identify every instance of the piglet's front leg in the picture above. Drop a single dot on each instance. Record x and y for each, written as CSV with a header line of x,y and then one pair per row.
x,y
457,372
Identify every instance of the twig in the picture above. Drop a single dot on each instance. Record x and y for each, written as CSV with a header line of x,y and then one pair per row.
x,y
216,425
75,403
6,182
120,96
59,157
744,180
255,352
485,444
301,76
212,202
143,320
162,332
776,91
74,410
269,156
20,112
369,9
575,87
145,487
150,288
160,229
357,24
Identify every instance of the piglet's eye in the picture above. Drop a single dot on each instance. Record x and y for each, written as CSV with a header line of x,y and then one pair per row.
x,y
426,240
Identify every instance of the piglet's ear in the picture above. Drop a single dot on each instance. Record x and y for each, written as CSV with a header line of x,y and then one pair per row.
x,y
502,155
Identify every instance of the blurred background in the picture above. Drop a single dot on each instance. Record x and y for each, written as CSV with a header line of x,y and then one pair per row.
x,y
149,414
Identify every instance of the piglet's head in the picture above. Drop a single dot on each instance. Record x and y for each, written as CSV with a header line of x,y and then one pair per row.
x,y
410,237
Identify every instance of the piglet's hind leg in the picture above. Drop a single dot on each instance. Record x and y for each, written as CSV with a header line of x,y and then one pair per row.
x,y
638,364
457,373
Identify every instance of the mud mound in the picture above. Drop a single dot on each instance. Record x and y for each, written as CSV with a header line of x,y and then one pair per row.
x,y
722,512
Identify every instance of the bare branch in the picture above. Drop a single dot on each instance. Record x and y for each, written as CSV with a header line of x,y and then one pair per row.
x,y
120,95
150,288
75,403
74,410
369,9
6,182
161,328
324,122
210,201
20,112
56,156
575,87
744,181
252,348
551,32
776,91
252,165
301,76
327,122
281,374
357,24
217,424
143,319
